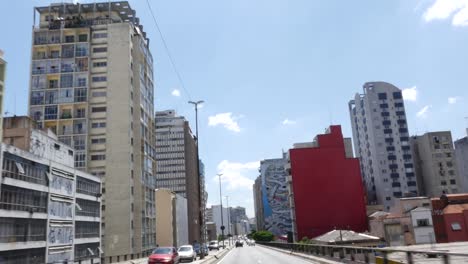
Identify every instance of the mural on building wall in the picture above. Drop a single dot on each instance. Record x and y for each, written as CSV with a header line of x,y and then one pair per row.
x,y
275,197
60,235
62,210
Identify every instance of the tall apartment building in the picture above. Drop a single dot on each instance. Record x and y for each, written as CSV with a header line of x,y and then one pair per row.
x,y
2,88
275,196
92,84
381,142
321,171
258,204
461,153
177,164
435,163
49,211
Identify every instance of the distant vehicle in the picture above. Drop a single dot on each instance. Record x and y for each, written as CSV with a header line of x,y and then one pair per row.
x,y
239,243
213,245
166,255
200,249
187,252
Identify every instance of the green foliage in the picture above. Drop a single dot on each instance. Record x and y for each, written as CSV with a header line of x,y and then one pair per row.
x,y
263,236
305,240
220,237
250,236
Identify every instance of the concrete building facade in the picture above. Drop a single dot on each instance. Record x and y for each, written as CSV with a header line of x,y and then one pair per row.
x,y
171,219
177,164
461,154
50,212
435,163
216,209
275,196
92,84
3,65
450,217
381,142
258,204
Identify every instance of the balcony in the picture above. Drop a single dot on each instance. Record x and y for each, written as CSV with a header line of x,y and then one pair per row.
x,y
395,175
14,230
20,199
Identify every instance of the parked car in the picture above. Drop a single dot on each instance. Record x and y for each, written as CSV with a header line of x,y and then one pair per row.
x,y
239,243
166,255
187,252
213,245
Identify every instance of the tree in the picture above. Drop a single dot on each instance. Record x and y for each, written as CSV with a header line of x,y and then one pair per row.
x,y
305,240
263,236
220,237
250,236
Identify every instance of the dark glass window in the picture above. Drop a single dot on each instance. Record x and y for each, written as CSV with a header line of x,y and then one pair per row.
x,y
382,96
397,95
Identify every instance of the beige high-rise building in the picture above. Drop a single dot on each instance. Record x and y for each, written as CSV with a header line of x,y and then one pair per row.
x,y
2,88
176,151
435,162
171,219
92,84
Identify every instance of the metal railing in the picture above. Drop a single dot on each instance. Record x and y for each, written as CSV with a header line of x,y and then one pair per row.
x,y
369,254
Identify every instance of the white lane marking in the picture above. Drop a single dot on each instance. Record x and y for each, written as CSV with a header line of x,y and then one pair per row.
x,y
221,261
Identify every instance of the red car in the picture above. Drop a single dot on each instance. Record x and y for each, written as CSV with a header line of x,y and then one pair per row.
x,y
166,255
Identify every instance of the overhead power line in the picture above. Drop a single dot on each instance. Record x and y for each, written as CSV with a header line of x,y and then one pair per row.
x,y
179,77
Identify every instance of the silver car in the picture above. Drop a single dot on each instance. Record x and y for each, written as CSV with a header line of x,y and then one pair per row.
x,y
187,253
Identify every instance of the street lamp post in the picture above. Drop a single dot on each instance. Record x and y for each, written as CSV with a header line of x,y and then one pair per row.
x,y
221,202
229,219
200,189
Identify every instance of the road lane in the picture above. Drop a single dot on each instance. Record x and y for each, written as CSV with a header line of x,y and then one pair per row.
x,y
260,255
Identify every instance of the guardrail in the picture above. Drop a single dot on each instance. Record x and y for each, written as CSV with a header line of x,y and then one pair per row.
x,y
366,254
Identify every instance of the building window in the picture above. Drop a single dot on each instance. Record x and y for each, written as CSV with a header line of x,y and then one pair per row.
x,y
397,95
82,38
69,39
422,222
99,35
99,78
100,64
98,140
456,226
98,125
100,49
66,80
382,96
81,50
453,181
98,157
98,109
50,112
99,94
80,160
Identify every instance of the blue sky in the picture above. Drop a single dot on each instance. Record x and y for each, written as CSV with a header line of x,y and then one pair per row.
x,y
275,72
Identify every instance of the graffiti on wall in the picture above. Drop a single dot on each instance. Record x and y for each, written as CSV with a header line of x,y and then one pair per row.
x,y
277,212
60,235
62,210
61,185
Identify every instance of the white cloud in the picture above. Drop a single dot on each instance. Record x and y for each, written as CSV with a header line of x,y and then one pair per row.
x,y
410,94
444,9
288,122
453,100
225,119
233,173
424,111
176,93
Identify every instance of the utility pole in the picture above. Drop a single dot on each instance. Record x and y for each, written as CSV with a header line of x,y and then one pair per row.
x,y
201,190
229,219
221,202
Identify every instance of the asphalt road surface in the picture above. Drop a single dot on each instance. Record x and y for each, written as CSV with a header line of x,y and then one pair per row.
x,y
260,255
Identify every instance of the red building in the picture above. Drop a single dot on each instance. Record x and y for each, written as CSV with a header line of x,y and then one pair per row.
x,y
450,217
327,189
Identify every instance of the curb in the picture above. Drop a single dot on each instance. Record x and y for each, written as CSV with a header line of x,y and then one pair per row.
x,y
217,257
307,257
